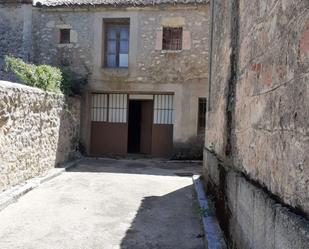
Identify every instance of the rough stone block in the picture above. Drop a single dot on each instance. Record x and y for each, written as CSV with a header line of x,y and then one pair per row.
x,y
186,40
291,231
245,212
211,167
231,190
41,130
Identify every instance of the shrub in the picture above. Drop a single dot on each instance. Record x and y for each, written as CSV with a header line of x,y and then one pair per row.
x,y
72,84
45,77
192,149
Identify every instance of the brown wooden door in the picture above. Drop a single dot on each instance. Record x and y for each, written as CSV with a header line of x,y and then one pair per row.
x,y
162,129
146,126
162,140
109,138
109,127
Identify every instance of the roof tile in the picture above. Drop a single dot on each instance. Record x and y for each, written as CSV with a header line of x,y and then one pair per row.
x,y
111,3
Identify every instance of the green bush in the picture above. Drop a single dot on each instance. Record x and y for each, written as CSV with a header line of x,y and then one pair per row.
x,y
72,84
45,77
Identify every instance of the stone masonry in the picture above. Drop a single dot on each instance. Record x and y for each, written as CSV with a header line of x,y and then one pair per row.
x,y
35,28
256,155
150,70
15,31
38,131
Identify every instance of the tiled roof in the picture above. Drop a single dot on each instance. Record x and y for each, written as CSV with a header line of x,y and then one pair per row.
x,y
111,3
16,1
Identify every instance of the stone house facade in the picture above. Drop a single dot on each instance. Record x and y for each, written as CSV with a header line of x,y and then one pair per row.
x,y
144,62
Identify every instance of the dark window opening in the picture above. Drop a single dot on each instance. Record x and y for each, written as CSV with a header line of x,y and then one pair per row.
x,y
172,39
117,43
202,104
64,36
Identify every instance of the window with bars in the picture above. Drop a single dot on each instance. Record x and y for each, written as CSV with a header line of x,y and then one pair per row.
x,y
99,107
117,108
109,108
163,112
202,105
172,38
117,43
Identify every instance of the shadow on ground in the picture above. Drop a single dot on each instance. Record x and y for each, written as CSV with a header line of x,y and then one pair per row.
x,y
160,223
140,166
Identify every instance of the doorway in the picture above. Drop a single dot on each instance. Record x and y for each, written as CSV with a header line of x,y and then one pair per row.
x,y
140,126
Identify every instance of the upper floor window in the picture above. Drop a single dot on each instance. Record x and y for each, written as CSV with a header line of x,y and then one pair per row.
x,y
117,44
64,36
172,38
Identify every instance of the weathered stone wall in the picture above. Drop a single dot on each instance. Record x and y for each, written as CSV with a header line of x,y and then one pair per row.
x,y
150,69
15,32
38,131
271,133
249,215
219,77
77,55
36,31
257,122
147,62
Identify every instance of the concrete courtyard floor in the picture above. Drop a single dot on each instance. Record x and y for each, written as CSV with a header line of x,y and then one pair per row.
x,y
108,204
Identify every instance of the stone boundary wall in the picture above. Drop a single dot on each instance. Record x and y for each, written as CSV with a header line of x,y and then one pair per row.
x,y
257,124
248,214
259,105
38,131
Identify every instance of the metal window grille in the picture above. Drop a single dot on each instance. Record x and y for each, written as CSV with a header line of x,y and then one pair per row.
x,y
202,104
172,39
99,107
117,110
163,109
